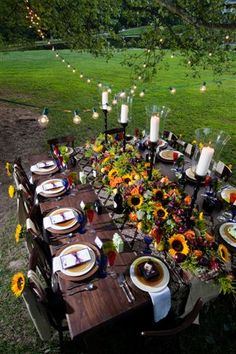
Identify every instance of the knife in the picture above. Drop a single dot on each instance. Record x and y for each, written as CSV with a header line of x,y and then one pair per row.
x,y
123,280
122,286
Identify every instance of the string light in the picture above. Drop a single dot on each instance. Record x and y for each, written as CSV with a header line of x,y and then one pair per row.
x,y
172,90
203,87
81,76
142,93
109,108
95,114
114,101
43,120
76,118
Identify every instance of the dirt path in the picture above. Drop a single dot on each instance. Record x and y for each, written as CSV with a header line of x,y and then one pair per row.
x,y
20,136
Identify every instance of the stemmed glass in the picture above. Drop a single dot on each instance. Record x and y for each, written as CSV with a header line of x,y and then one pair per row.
x,y
229,216
90,216
148,240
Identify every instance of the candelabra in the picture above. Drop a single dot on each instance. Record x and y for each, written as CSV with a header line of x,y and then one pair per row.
x,y
152,156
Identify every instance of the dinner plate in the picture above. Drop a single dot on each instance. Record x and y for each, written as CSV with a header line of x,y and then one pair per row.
x,y
44,170
225,193
80,269
190,175
53,191
167,155
65,224
152,285
225,234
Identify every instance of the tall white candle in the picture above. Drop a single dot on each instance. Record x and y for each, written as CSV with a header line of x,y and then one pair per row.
x,y
104,99
204,161
124,113
154,128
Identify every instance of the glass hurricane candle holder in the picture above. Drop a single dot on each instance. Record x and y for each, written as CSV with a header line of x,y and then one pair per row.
x,y
162,112
124,109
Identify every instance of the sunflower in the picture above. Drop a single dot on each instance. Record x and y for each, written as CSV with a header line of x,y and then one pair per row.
x,y
112,173
8,168
98,148
11,191
135,201
160,213
127,178
224,253
157,194
18,232
178,244
18,284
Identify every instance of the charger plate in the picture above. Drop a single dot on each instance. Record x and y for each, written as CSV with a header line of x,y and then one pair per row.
x,y
82,271
225,234
44,170
66,226
54,192
151,285
167,155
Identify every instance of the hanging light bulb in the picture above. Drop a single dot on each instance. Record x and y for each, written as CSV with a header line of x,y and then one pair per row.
x,y
122,94
203,87
43,120
109,108
114,101
99,84
132,91
142,93
76,118
88,81
134,87
81,76
172,90
109,90
95,114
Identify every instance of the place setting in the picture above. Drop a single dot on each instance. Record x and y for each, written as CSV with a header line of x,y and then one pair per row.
x,y
150,274
64,220
76,261
52,188
44,167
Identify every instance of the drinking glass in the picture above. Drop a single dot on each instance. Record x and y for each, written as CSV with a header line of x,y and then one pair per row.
x,y
148,240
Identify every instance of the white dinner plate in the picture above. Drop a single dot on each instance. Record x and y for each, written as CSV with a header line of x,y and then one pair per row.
x,y
167,155
151,285
224,233
80,269
225,193
65,224
53,190
44,170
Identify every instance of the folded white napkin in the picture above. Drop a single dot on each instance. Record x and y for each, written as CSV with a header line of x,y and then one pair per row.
x,y
48,186
161,303
38,166
49,221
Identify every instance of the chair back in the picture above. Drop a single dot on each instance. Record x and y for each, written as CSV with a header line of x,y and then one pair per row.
x,y
223,171
185,323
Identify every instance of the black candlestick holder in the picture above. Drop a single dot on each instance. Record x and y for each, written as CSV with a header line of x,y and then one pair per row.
x,y
105,123
152,155
124,125
199,180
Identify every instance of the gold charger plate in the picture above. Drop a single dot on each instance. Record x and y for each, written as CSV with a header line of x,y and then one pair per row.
x,y
224,233
151,285
167,155
45,170
65,226
54,192
87,270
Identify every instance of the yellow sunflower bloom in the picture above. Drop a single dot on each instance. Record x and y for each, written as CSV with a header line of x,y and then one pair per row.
x,y
127,179
18,284
224,253
160,213
178,244
201,216
18,232
98,148
8,168
135,201
11,191
112,173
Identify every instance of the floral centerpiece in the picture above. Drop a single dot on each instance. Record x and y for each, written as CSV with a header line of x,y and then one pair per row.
x,y
160,209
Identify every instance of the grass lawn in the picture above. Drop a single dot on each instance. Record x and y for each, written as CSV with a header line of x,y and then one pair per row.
x,y
39,78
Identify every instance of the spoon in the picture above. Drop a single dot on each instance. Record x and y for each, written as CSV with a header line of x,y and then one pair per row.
x,y
88,287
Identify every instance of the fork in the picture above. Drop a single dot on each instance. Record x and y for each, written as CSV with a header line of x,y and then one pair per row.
x,y
122,282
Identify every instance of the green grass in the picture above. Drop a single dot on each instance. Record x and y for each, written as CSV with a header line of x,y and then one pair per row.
x,y
40,79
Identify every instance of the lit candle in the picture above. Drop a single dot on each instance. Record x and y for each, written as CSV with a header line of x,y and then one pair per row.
x,y
204,161
154,128
124,113
104,99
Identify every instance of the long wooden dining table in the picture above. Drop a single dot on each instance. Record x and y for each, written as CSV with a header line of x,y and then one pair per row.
x,y
86,310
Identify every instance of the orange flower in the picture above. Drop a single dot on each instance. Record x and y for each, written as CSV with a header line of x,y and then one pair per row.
x,y
164,180
197,253
134,191
114,181
187,200
133,217
209,238
189,235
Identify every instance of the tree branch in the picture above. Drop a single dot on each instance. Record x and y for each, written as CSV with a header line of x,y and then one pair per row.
x,y
180,12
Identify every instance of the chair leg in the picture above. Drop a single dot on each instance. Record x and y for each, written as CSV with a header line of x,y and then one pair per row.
x,y
61,341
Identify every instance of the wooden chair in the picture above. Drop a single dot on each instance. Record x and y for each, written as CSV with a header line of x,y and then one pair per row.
x,y
68,140
46,306
189,150
170,137
179,327
223,171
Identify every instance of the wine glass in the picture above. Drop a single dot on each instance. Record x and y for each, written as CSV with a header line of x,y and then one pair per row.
x,y
175,158
90,216
229,216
